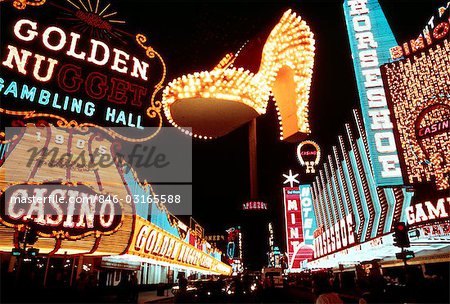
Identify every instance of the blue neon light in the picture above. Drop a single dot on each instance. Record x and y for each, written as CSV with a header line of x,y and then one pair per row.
x,y
341,186
390,215
372,187
352,197
309,223
339,212
361,197
366,19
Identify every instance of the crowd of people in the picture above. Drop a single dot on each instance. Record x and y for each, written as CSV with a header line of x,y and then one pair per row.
x,y
368,284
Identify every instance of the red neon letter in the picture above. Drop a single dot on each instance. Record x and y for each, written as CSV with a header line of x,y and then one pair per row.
x,y
69,78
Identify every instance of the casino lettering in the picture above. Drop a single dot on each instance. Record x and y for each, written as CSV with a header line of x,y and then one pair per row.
x,y
60,207
442,126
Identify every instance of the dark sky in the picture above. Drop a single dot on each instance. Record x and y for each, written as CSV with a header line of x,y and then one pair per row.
x,y
194,36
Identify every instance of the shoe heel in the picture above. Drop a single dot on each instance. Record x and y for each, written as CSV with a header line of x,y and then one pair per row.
x,y
287,63
214,103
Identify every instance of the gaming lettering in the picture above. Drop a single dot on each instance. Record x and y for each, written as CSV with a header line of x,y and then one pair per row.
x,y
428,211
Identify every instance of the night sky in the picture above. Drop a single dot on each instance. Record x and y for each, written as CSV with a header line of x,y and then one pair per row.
x,y
194,36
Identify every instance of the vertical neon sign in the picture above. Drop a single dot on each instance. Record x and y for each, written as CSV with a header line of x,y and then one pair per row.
x,y
308,215
370,40
293,218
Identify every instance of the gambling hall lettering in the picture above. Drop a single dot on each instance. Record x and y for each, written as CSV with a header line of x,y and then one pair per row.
x,y
120,83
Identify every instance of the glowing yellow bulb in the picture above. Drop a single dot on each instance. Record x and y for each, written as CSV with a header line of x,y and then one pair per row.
x,y
290,44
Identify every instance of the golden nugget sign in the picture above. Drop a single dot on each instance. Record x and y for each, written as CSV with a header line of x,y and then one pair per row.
x,y
152,242
80,68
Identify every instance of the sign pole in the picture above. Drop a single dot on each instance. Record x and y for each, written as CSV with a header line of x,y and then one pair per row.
x,y
253,159
72,271
46,270
20,259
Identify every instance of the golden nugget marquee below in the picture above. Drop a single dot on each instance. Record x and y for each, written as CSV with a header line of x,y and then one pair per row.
x,y
111,228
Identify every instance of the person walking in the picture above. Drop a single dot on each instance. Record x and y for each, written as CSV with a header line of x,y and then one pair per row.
x,y
181,296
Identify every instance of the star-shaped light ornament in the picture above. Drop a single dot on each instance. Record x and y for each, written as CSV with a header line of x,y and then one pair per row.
x,y
291,179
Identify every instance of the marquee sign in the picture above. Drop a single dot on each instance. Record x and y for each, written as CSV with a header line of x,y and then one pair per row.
x,y
254,205
433,209
418,98
296,248
370,40
340,236
308,154
436,29
78,68
65,211
74,210
150,241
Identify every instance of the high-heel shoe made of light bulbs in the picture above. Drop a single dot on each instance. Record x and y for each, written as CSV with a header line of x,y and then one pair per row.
x,y
214,103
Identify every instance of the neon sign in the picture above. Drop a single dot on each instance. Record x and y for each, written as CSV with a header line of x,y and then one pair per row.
x,y
430,210
309,224
254,206
297,248
233,238
63,75
422,113
341,235
370,47
59,205
60,210
152,242
308,154
436,30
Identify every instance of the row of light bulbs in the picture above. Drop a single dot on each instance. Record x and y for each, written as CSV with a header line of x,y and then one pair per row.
x,y
290,44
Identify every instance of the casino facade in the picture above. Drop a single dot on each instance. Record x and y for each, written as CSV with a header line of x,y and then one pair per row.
x,y
70,203
98,235
392,163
